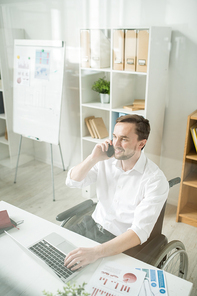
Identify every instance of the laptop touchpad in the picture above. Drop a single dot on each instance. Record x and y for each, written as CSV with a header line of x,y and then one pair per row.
x,y
66,247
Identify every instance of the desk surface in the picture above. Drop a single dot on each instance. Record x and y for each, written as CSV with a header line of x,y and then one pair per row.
x,y
21,275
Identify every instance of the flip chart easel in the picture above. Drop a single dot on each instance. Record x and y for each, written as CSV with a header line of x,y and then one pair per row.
x,y
52,174
37,96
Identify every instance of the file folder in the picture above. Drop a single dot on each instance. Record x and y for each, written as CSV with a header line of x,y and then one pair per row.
x,y
85,48
142,50
130,50
100,49
118,50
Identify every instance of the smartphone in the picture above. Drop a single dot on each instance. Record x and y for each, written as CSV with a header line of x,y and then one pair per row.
x,y
110,150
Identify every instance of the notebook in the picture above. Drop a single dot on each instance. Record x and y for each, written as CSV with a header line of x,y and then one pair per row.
x,y
5,222
50,252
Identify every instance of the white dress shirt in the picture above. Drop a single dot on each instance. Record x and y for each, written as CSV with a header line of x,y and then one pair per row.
x,y
127,200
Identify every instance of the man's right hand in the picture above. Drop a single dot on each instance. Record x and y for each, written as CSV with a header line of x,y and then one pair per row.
x,y
99,151
80,171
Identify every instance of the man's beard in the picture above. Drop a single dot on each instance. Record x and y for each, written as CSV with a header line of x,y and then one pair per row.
x,y
125,157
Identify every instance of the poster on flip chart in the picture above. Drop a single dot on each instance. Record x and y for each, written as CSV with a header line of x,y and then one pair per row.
x,y
37,89
112,280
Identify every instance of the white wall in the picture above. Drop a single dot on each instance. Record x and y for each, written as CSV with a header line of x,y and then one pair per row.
x,y
53,19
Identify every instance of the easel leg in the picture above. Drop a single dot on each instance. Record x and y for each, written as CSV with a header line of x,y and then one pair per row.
x,y
19,150
52,173
62,157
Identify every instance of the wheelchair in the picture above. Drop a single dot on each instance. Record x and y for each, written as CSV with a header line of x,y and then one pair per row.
x,y
156,251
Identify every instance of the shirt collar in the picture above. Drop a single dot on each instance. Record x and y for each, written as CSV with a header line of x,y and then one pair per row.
x,y
139,166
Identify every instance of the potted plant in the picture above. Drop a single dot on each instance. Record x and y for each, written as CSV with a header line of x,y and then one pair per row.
x,y
102,86
70,290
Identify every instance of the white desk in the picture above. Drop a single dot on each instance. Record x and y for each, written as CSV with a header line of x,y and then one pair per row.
x,y
21,275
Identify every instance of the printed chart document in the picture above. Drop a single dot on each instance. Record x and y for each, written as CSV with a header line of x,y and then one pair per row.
x,y
112,280
154,283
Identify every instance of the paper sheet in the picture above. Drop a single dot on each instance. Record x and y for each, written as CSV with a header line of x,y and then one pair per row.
x,y
154,283
112,280
23,70
42,63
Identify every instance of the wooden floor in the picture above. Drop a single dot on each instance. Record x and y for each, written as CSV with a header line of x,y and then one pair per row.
x,y
33,192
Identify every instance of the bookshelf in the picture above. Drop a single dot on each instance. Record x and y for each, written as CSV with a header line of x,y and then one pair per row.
x,y
125,87
8,142
187,204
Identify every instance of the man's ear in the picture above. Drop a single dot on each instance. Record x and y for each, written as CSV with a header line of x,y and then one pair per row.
x,y
142,143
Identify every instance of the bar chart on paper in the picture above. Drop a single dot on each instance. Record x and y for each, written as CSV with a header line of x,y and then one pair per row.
x,y
114,288
108,280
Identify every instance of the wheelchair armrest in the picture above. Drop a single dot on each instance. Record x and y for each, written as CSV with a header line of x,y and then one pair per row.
x,y
174,181
152,249
75,210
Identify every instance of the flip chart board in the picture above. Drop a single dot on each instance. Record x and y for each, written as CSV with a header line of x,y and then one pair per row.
x,y
37,89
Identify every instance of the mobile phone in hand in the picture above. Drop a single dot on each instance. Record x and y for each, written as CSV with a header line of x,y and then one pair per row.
x,y
110,150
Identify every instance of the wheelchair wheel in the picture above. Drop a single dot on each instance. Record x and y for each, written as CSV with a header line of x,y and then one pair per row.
x,y
173,259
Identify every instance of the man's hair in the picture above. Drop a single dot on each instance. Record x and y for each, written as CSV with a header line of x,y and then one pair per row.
x,y
142,126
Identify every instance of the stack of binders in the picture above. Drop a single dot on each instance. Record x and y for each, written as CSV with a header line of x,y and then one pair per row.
x,y
95,49
130,50
96,127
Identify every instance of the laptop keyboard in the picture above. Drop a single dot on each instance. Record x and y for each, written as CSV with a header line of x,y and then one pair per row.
x,y
52,257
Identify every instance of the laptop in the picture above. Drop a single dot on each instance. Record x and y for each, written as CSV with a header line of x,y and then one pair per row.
x,y
50,252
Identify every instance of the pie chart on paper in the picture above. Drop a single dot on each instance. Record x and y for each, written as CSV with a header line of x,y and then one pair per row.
x,y
129,278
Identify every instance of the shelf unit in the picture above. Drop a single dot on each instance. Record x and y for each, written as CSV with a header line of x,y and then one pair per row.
x,y
125,86
9,146
187,204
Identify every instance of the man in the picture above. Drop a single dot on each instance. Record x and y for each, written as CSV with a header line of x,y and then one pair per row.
x,y
131,192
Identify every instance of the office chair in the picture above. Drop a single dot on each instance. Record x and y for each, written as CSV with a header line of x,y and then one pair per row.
x,y
156,251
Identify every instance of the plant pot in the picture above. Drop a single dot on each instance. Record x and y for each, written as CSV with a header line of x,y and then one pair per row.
x,y
104,98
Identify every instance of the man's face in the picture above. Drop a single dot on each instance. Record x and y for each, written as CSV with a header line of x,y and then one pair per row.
x,y
125,141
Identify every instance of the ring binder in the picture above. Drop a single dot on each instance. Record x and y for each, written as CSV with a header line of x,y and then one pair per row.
x,y
118,50
85,48
130,50
142,50
100,50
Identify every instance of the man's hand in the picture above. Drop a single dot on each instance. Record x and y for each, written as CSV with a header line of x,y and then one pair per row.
x,y
81,257
99,151
84,256
80,171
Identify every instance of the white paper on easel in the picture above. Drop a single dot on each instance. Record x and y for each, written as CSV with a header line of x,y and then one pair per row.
x,y
22,70
112,280
37,89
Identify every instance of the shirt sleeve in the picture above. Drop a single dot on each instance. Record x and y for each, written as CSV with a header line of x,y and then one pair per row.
x,y
89,179
148,210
